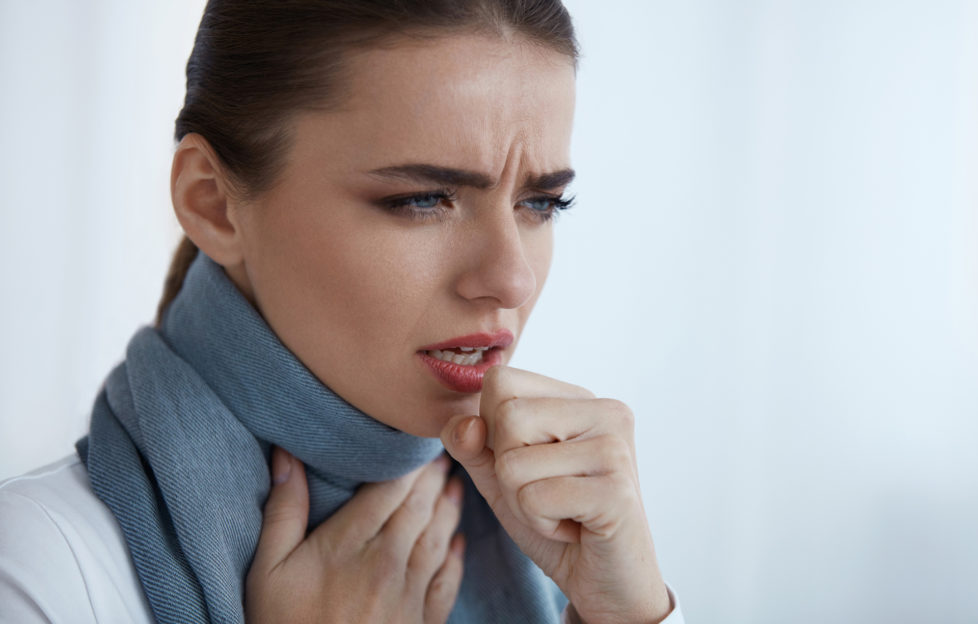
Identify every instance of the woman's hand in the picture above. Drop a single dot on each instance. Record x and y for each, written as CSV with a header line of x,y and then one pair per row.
x,y
387,555
558,468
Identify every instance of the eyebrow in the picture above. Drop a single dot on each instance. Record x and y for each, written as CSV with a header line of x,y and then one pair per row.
x,y
547,181
448,176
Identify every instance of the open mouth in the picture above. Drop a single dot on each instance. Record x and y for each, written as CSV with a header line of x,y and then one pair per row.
x,y
460,363
463,356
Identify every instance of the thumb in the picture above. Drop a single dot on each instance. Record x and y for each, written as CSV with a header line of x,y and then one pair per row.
x,y
286,511
464,437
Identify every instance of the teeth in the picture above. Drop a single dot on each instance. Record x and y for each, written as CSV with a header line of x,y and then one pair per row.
x,y
470,357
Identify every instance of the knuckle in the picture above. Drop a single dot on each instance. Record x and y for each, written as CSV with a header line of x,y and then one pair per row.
x,y
429,543
444,585
543,526
507,415
630,497
507,468
616,452
624,491
584,392
435,538
278,515
440,588
529,499
619,411
423,556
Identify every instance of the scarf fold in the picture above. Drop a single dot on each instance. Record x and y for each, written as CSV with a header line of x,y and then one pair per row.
x,y
179,445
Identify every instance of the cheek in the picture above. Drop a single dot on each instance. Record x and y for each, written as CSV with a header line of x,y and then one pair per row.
x,y
326,276
538,248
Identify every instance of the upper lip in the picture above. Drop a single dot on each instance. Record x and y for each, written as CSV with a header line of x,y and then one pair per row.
x,y
501,338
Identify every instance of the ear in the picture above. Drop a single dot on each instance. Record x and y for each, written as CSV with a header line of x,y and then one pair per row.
x,y
202,201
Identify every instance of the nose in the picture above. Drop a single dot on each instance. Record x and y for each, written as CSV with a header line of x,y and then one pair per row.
x,y
495,265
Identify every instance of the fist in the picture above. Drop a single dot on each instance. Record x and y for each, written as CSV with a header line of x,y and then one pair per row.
x,y
557,466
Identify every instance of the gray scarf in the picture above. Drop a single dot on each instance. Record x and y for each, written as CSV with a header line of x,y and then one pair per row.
x,y
179,448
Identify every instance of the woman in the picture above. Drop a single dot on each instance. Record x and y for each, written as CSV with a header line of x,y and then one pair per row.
x,y
368,190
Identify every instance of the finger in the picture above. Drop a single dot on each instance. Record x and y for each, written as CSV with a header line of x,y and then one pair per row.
x,y
523,465
443,589
464,438
560,507
364,515
429,551
501,384
527,421
410,519
286,511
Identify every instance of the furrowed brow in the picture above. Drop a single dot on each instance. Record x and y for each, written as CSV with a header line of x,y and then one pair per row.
x,y
433,174
548,181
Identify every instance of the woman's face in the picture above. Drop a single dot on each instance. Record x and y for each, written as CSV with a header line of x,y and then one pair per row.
x,y
412,226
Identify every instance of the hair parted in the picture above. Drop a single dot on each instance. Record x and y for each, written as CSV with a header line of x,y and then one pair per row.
x,y
256,62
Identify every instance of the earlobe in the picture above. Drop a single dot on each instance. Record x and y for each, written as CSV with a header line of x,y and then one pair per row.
x,y
202,203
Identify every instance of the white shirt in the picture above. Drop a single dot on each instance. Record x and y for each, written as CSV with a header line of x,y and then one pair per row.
x,y
63,557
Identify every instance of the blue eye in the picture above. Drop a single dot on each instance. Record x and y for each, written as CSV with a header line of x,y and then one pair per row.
x,y
545,207
424,205
423,201
540,204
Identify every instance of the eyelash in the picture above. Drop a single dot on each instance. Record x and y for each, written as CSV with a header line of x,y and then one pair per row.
x,y
405,204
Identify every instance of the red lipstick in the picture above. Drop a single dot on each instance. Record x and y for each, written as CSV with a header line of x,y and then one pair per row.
x,y
464,377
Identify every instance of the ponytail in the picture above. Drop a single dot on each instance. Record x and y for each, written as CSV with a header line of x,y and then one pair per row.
x,y
182,259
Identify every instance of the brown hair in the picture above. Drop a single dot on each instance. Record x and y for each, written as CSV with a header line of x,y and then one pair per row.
x,y
255,62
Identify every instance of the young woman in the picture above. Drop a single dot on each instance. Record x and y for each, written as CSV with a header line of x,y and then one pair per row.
x,y
368,190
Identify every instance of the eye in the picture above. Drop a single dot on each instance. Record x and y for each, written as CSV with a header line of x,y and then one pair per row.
x,y
540,204
545,207
419,205
422,201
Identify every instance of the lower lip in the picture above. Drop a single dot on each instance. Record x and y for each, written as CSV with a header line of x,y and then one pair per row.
x,y
467,379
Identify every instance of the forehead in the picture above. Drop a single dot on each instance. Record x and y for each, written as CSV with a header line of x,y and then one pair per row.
x,y
467,100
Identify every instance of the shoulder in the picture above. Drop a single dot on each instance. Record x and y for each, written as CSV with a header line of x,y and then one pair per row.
x,y
62,555
56,488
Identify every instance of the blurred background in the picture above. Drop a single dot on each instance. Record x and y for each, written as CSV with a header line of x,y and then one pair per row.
x,y
773,261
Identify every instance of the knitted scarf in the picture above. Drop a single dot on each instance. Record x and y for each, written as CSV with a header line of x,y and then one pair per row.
x,y
179,448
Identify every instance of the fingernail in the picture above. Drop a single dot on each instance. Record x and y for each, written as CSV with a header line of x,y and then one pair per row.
x,y
453,491
281,466
462,430
442,462
458,545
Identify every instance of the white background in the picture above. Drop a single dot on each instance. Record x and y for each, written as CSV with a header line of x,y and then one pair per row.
x,y
774,261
